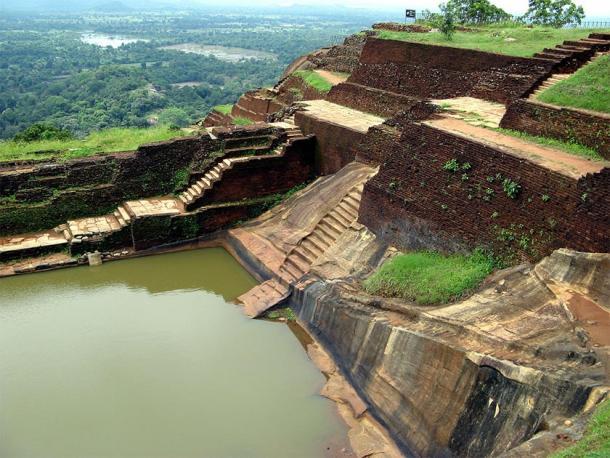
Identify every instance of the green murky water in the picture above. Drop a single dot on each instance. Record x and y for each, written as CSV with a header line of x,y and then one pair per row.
x,y
149,358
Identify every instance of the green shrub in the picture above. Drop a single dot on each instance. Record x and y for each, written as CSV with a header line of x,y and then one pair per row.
x,y
42,131
430,277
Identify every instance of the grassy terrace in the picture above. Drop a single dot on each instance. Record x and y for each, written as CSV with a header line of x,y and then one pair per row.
x,y
511,40
571,148
104,141
429,278
314,80
596,440
588,88
224,109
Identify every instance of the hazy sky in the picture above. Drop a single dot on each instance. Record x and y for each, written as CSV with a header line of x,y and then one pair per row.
x,y
592,7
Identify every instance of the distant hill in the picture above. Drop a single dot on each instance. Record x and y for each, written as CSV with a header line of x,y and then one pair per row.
x,y
112,7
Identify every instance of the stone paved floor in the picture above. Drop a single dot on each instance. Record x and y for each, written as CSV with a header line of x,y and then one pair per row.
x,y
338,114
474,111
93,225
154,207
28,241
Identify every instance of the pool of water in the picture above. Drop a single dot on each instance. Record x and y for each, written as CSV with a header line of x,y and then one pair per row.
x,y
225,53
150,357
100,39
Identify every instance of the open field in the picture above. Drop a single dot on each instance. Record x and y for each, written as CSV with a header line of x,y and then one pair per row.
x,y
515,41
104,141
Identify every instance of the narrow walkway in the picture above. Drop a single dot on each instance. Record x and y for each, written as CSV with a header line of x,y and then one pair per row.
x,y
332,78
552,159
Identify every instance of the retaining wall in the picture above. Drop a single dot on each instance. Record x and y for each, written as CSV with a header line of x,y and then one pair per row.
x,y
588,128
430,71
415,203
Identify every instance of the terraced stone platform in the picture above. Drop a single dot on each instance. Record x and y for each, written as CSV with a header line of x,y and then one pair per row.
x,y
340,115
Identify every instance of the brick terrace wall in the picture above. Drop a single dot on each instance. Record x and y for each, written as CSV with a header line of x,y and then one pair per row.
x,y
264,176
585,127
334,144
370,100
414,203
255,106
216,118
294,89
429,71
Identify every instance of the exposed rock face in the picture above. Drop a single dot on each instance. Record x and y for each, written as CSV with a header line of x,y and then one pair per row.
x,y
472,379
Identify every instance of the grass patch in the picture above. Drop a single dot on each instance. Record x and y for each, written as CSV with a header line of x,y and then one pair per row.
x,y
314,80
429,277
596,441
569,147
285,312
239,121
588,88
103,141
224,109
527,41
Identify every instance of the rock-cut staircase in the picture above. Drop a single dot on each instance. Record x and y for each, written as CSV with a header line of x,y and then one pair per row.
x,y
298,261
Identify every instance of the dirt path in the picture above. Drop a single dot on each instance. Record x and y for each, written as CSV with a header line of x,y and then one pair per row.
x,y
331,77
553,159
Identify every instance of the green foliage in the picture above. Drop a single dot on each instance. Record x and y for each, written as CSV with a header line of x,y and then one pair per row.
x,y
105,141
224,109
285,313
596,441
447,27
554,13
588,88
174,116
568,147
430,277
42,131
474,12
239,121
451,165
511,188
525,41
181,179
314,80
545,197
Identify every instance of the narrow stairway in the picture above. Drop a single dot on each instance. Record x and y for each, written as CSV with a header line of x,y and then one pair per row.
x,y
325,234
303,255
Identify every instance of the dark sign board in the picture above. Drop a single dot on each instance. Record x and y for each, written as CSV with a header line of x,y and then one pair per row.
x,y
410,14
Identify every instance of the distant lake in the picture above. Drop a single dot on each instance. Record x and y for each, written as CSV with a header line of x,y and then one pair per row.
x,y
221,52
100,39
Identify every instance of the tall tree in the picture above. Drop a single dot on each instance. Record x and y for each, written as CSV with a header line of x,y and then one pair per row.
x,y
554,13
474,11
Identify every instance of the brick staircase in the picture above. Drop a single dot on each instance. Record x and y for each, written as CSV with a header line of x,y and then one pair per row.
x,y
299,260
194,193
570,57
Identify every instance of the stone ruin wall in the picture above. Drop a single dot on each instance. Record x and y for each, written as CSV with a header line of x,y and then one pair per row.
x,y
588,128
414,203
428,71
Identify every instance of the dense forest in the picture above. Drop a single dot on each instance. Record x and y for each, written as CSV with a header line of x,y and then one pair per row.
x,y
48,73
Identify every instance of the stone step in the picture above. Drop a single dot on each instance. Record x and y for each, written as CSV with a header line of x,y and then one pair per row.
x,y
303,254
340,214
299,264
263,297
324,231
183,199
313,248
346,211
292,269
197,188
338,220
123,212
352,202
321,240
330,223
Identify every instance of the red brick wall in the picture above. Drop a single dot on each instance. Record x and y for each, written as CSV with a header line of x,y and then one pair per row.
x,y
334,144
264,176
537,118
414,202
429,71
370,100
